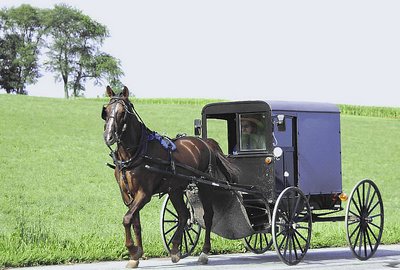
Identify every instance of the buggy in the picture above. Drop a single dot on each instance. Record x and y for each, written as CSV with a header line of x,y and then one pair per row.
x,y
290,177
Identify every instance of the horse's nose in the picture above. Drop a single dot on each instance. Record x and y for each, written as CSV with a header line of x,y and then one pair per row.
x,y
109,139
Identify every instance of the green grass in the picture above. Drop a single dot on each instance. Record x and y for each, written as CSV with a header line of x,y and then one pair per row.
x,y
59,203
385,112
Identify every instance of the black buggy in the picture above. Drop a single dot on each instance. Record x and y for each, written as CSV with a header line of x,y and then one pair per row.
x,y
289,156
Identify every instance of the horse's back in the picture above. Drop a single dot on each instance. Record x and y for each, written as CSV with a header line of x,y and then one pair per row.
x,y
201,153
193,152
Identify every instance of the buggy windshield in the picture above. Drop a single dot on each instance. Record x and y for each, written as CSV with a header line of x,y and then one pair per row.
x,y
253,132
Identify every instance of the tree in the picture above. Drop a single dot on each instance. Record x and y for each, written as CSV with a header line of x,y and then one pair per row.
x,y
74,50
99,67
21,32
9,71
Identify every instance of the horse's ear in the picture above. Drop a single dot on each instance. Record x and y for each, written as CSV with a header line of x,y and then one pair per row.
x,y
125,92
109,91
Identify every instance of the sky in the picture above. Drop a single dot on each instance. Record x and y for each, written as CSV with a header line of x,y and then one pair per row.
x,y
343,52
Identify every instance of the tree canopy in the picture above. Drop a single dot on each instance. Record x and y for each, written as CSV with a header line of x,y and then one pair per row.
x,y
71,42
21,32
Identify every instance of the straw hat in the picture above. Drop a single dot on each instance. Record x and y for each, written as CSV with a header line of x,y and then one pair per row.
x,y
254,121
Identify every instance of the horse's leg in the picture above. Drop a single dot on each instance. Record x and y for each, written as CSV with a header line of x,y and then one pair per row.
x,y
183,215
206,201
137,228
135,251
132,218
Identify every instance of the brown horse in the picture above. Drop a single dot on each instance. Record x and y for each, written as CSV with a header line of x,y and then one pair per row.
x,y
135,150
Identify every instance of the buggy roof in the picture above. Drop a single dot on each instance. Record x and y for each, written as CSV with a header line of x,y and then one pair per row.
x,y
302,106
269,105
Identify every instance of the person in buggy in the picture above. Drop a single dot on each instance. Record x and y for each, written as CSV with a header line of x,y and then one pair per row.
x,y
251,134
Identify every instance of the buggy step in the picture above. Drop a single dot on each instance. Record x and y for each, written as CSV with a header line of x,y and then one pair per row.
x,y
257,210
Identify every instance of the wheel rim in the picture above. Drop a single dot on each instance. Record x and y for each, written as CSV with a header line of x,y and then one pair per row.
x,y
169,224
291,226
364,219
258,243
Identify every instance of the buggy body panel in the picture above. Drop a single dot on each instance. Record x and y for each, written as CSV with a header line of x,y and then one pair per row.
x,y
312,144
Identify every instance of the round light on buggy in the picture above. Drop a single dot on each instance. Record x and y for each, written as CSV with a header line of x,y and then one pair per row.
x,y
278,152
268,160
343,197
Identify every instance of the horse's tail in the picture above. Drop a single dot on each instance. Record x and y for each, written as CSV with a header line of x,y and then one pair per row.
x,y
228,169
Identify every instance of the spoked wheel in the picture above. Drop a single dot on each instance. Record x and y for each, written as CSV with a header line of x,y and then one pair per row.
x,y
364,219
259,214
291,225
169,224
258,243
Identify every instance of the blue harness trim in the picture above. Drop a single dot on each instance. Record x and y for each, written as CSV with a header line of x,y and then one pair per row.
x,y
165,142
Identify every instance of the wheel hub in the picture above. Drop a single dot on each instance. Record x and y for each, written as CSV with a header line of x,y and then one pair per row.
x,y
294,225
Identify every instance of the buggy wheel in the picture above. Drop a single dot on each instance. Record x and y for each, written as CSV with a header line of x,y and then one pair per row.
x,y
364,219
169,224
291,226
258,243
259,214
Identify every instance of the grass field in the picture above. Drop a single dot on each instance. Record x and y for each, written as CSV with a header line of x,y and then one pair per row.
x,y
59,203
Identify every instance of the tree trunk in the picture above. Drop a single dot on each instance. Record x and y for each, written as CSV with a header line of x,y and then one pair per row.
x,y
77,81
65,80
76,85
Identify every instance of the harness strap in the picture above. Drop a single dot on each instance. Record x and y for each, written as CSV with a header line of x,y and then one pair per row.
x,y
187,168
171,161
210,157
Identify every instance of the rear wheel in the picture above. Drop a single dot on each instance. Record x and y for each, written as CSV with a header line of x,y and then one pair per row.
x,y
169,224
258,243
364,219
291,225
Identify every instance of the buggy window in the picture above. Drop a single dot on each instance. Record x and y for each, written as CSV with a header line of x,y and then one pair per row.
x,y
217,130
222,128
252,131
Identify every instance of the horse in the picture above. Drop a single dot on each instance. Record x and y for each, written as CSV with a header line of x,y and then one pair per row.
x,y
135,149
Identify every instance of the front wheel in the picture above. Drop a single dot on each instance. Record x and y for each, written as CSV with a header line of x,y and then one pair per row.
x,y
364,219
291,226
169,224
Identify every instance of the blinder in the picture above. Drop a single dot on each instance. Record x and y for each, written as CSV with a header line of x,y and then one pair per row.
x,y
104,113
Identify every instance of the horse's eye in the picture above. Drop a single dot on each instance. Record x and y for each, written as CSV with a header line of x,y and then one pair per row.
x,y
103,113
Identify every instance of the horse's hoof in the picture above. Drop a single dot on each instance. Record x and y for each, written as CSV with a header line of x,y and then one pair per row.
x,y
203,259
132,264
175,257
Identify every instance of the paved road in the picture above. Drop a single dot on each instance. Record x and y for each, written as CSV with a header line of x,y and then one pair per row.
x,y
387,257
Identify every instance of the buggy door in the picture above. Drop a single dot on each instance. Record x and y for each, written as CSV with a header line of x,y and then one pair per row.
x,y
286,167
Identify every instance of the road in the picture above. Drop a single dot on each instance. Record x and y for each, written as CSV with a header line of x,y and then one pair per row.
x,y
387,257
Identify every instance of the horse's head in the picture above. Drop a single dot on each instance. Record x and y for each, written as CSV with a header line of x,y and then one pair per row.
x,y
115,115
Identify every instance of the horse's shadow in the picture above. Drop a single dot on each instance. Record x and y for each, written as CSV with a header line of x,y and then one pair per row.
x,y
312,257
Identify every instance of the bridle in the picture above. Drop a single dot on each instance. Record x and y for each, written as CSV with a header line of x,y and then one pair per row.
x,y
113,115
128,109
